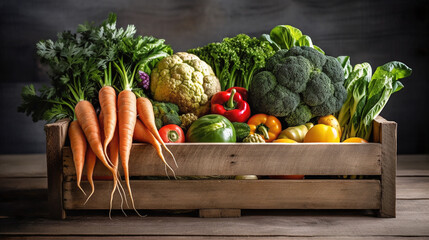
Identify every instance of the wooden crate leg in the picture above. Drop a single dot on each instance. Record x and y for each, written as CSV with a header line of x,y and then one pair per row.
x,y
388,168
56,134
220,213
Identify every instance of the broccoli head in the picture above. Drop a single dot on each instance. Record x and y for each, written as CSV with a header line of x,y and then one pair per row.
x,y
298,84
165,113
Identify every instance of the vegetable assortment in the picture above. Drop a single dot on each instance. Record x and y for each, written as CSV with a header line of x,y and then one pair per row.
x,y
118,88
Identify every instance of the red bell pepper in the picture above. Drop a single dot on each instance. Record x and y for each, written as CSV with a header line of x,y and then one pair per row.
x,y
230,105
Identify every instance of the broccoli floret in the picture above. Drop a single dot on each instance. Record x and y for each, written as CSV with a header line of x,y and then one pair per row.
x,y
331,70
278,58
298,85
302,113
281,100
318,90
171,118
294,73
165,113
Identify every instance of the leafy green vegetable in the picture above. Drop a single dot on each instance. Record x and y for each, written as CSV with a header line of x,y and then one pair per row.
x,y
367,96
73,69
235,60
286,37
81,63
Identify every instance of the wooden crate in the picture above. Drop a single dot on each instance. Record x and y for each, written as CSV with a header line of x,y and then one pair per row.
x,y
226,197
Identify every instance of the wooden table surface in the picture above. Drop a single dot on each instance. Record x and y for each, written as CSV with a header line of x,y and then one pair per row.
x,y
24,213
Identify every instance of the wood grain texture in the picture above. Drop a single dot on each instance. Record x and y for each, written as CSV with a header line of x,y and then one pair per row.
x,y
203,159
388,166
219,213
412,220
160,237
56,134
413,165
23,165
412,188
236,194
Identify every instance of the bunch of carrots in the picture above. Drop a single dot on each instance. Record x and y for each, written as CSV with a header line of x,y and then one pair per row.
x,y
109,137
94,70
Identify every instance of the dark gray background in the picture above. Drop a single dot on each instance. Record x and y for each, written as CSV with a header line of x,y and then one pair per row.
x,y
371,31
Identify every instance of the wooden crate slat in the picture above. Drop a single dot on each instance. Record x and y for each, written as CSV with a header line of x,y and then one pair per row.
x,y
234,194
387,135
241,159
56,134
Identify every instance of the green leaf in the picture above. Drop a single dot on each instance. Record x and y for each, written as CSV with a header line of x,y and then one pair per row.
x,y
318,49
266,37
345,64
285,36
305,41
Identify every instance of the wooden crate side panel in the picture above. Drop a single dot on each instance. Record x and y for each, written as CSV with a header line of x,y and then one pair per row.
x,y
56,134
241,159
234,194
388,138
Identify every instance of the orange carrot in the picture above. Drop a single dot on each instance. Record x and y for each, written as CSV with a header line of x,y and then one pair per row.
x,y
89,122
107,98
142,134
114,149
146,115
90,165
78,146
127,116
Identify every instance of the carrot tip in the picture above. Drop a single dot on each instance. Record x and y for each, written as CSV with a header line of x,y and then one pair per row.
x,y
81,189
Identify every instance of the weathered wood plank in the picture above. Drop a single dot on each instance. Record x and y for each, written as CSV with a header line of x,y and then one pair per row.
x,y
412,220
412,188
387,132
56,134
159,237
23,165
219,213
244,159
413,165
236,194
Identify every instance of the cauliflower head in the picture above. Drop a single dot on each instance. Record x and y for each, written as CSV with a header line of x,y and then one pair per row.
x,y
298,84
185,80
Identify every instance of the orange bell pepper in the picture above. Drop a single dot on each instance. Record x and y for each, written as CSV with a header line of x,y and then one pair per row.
x,y
267,126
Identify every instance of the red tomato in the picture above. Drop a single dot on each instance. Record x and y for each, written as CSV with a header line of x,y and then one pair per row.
x,y
172,133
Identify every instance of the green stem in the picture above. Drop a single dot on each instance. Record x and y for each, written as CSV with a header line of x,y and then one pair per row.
x,y
263,129
172,136
230,102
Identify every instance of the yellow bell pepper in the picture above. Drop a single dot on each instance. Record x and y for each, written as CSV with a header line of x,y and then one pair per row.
x,y
322,133
267,126
284,140
330,120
